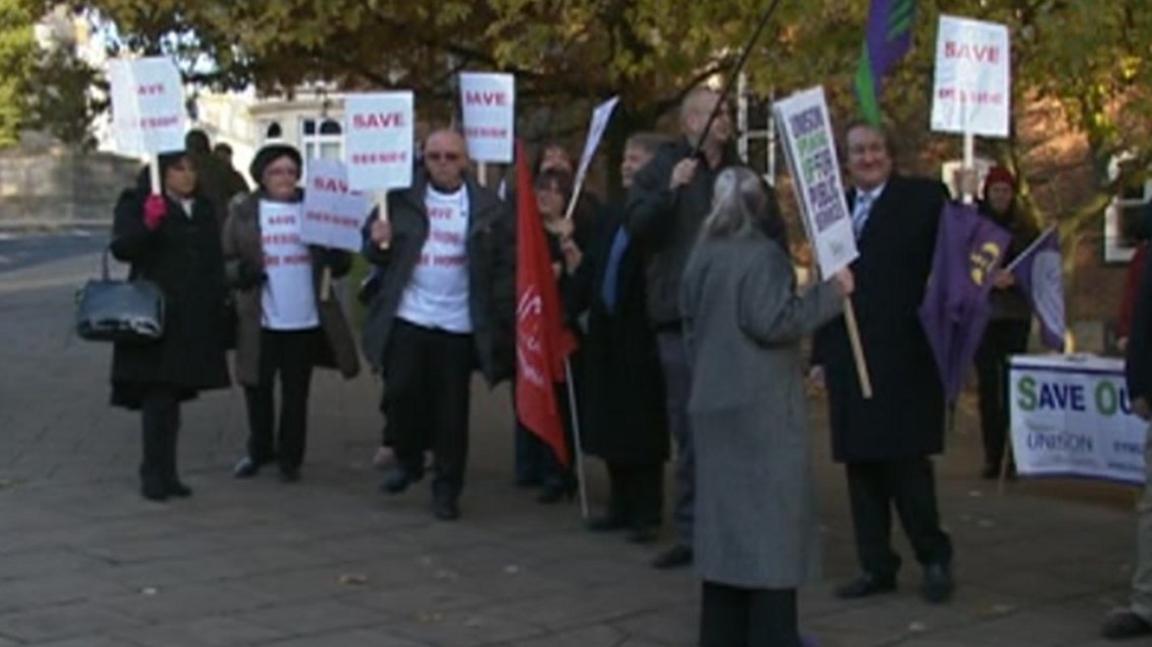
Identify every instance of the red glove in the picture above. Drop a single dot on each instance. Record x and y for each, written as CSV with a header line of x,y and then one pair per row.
x,y
155,210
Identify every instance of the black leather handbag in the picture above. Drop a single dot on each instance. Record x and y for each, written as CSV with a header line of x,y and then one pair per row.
x,y
130,311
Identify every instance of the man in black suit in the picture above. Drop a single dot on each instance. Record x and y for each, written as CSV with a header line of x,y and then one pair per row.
x,y
886,441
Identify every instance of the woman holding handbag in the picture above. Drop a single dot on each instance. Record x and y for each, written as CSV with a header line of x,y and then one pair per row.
x,y
288,318
171,238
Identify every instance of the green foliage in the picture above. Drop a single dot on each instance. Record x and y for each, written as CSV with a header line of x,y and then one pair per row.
x,y
17,58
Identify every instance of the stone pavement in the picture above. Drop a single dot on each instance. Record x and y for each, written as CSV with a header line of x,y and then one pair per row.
x,y
328,562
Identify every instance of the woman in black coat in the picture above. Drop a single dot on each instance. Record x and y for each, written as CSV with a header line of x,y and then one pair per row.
x,y
172,239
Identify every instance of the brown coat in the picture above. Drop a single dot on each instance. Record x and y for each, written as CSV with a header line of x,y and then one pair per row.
x,y
242,245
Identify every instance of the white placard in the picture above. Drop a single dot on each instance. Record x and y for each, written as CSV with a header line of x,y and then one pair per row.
x,y
972,91
489,102
378,140
148,112
1071,416
333,214
600,118
811,151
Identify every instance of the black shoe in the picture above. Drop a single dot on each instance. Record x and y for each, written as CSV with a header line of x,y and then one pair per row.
x,y
643,534
178,489
154,491
938,584
866,585
675,557
1125,624
445,509
607,523
289,474
399,479
246,468
557,491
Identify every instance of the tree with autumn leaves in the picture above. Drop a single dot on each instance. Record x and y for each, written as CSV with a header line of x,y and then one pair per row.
x,y
1084,63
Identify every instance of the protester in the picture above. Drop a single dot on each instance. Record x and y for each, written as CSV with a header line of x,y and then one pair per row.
x,y
1136,619
236,182
668,200
287,324
215,178
553,189
886,441
1010,322
757,537
172,239
446,303
622,407
1139,230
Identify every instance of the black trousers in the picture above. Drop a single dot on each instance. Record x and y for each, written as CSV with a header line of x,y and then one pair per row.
x,y
289,355
738,617
637,492
909,485
1001,339
427,379
160,424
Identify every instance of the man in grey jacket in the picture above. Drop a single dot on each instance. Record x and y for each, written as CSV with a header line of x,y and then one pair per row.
x,y
446,305
667,203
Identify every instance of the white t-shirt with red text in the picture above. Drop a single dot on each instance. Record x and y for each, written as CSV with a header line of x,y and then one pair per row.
x,y
288,301
437,294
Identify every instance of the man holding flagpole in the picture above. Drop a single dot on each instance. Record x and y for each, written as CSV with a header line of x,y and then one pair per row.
x,y
445,306
669,199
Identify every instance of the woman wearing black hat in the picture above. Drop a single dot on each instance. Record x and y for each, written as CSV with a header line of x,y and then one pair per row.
x,y
171,238
285,324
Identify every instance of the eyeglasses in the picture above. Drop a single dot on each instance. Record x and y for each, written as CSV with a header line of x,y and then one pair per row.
x,y
437,156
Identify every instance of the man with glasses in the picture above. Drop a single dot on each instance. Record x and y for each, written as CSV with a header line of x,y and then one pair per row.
x,y
669,199
445,305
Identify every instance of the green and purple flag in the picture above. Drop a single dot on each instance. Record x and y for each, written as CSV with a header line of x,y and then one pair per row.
x,y
887,41
955,310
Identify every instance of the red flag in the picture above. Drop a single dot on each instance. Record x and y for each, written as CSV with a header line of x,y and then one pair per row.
x,y
542,341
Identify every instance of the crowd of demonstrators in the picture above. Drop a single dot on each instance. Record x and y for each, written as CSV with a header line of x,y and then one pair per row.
x,y
285,325
445,305
668,201
886,441
622,405
757,533
171,238
1010,322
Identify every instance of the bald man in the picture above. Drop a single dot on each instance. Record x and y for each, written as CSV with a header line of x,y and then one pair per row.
x,y
669,199
446,305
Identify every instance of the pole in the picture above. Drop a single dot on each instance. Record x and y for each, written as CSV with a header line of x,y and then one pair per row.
x,y
857,349
578,445
734,76
154,173
969,164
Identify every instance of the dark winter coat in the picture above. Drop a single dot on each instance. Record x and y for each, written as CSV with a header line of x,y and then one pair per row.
x,y
182,256
623,416
244,252
667,222
491,249
905,417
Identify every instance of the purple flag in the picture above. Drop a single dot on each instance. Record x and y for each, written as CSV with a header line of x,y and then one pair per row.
x,y
969,250
887,40
1039,273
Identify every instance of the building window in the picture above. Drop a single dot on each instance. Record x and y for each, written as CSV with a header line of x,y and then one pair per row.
x,y
321,139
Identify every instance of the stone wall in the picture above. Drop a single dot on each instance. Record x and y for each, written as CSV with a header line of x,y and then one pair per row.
x,y
50,189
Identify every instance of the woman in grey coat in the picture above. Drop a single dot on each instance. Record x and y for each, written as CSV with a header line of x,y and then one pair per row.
x,y
756,527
